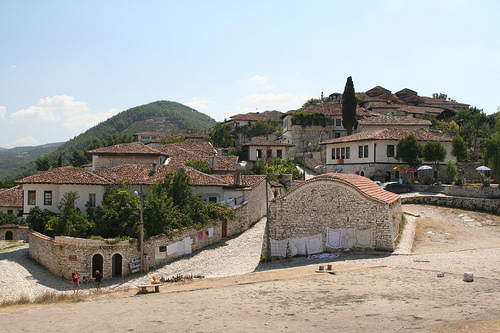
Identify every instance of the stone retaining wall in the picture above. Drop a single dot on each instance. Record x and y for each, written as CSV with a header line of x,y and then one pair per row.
x,y
492,192
478,204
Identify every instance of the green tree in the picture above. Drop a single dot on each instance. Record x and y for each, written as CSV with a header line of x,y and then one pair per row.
x,y
263,127
409,151
71,222
459,148
451,170
474,124
314,101
42,163
492,149
442,96
220,136
37,219
434,152
349,104
160,213
202,166
6,218
79,158
118,214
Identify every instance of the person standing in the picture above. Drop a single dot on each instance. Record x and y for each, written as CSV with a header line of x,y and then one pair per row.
x,y
146,263
98,279
76,282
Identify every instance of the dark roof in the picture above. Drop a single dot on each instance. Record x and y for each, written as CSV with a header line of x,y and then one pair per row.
x,y
132,148
11,197
394,120
65,175
390,134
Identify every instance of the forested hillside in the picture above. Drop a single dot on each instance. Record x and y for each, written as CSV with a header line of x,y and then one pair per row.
x,y
160,116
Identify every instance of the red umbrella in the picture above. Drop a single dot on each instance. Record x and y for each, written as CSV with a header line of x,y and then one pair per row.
x,y
411,170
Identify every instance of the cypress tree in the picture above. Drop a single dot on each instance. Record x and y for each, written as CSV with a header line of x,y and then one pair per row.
x,y
349,107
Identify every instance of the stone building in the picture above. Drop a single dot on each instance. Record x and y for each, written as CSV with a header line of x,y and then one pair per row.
x,y
352,209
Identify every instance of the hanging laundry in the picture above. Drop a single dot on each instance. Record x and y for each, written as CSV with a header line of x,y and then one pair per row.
x,y
348,238
314,244
181,248
210,232
172,248
278,247
364,238
187,245
333,238
297,246
200,236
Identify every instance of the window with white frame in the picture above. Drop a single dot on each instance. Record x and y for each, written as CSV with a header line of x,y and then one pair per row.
x,y
47,198
32,198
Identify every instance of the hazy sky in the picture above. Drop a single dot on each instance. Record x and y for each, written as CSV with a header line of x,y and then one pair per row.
x,y
67,65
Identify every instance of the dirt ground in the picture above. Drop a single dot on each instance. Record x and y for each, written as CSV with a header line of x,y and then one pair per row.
x,y
372,291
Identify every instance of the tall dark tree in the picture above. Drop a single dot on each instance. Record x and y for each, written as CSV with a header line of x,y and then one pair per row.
x,y
459,148
220,136
42,163
349,104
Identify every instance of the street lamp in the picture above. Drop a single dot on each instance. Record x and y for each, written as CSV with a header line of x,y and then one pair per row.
x,y
141,237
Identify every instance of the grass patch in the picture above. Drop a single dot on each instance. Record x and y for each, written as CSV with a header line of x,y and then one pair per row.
x,y
46,298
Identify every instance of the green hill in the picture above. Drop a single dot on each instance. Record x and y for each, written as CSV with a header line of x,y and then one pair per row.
x,y
160,116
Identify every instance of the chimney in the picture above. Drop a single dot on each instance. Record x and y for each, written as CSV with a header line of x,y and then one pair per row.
x,y
237,177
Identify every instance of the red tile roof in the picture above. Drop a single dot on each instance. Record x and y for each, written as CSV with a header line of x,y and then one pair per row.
x,y
132,148
11,197
268,144
394,120
420,109
362,184
390,134
331,109
225,163
64,175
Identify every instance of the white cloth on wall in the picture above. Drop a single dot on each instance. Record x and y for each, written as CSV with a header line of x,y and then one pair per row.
x,y
297,246
172,248
181,249
187,245
348,238
314,244
333,238
210,232
278,247
364,238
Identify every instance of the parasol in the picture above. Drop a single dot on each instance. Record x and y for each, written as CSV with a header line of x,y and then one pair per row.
x,y
483,168
424,167
399,168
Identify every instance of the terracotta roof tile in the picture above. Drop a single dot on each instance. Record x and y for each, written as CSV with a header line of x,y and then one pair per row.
x,y
419,109
246,180
329,108
225,163
11,197
394,120
390,134
362,184
132,148
64,175
268,144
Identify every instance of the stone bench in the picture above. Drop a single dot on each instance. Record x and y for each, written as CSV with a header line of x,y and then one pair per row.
x,y
143,287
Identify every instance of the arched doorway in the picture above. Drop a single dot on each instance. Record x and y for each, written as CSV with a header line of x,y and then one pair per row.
x,y
116,265
9,235
97,263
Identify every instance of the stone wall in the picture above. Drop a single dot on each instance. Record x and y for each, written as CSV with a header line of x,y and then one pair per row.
x,y
309,209
62,255
492,192
478,204
18,232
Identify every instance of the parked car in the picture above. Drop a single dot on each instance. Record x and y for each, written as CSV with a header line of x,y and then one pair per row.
x,y
396,187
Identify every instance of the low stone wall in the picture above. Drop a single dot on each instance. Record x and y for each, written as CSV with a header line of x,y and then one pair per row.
x,y
16,231
478,204
62,255
492,192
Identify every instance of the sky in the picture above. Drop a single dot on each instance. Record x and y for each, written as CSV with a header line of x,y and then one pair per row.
x,y
67,65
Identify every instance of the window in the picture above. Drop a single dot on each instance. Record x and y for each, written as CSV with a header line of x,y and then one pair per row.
x,y
337,135
347,153
32,198
92,200
360,151
342,153
10,211
390,150
338,153
47,198
333,153
212,199
259,153
338,122
279,153
366,151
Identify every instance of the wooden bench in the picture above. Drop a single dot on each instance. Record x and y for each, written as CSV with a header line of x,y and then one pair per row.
x,y
144,287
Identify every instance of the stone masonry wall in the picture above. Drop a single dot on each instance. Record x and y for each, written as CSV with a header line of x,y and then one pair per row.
x,y
461,191
311,208
478,204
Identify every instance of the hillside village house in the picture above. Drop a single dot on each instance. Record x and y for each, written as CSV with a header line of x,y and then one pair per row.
x,y
11,201
237,124
267,150
372,153
342,211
